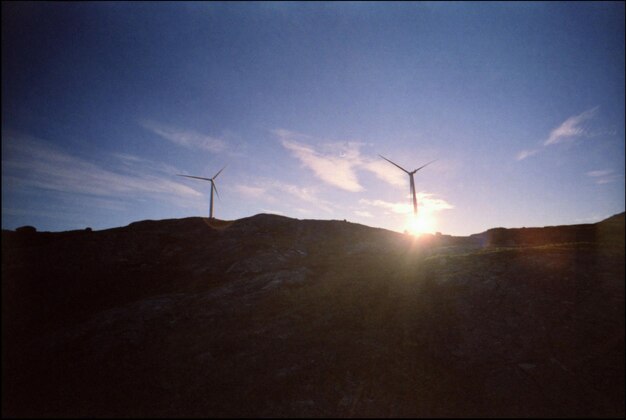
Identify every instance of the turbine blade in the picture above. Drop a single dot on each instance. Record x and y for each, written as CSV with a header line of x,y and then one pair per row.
x,y
395,164
425,165
215,188
196,177
220,171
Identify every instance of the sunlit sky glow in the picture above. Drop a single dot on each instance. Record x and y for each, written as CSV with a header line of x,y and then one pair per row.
x,y
522,105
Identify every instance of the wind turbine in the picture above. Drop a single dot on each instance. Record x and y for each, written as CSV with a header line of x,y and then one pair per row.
x,y
411,178
213,187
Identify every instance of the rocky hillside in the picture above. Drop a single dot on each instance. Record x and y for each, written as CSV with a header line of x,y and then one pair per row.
x,y
277,317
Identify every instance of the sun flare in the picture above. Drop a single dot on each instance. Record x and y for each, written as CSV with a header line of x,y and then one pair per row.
x,y
420,224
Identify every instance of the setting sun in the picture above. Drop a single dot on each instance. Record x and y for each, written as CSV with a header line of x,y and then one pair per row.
x,y
422,223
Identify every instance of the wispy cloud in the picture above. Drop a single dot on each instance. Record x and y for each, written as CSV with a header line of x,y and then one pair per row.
x,y
526,153
136,164
605,180
385,172
186,138
269,211
604,176
604,172
335,170
363,213
250,191
399,208
55,214
308,195
274,191
337,163
568,130
571,127
426,203
31,162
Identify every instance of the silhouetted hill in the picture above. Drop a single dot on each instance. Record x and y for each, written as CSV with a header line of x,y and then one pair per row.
x,y
610,230
277,317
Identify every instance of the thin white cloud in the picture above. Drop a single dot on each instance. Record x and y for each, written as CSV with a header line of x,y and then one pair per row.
x,y
273,191
571,127
269,211
384,171
186,138
526,153
568,130
426,203
127,158
135,164
337,163
306,194
34,163
250,191
302,193
363,213
429,203
334,170
399,208
47,213
606,180
604,172
604,176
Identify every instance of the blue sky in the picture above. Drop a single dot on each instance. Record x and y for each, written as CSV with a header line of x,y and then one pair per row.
x,y
522,105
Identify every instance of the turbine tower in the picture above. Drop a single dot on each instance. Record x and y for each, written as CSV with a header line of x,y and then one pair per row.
x,y
213,187
412,181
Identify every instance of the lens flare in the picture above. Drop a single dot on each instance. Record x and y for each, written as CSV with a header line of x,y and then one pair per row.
x,y
422,223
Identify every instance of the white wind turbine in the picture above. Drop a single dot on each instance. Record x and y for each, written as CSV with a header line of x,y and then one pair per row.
x,y
213,187
412,180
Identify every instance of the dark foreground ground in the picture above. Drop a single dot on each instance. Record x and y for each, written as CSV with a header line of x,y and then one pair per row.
x,y
271,316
